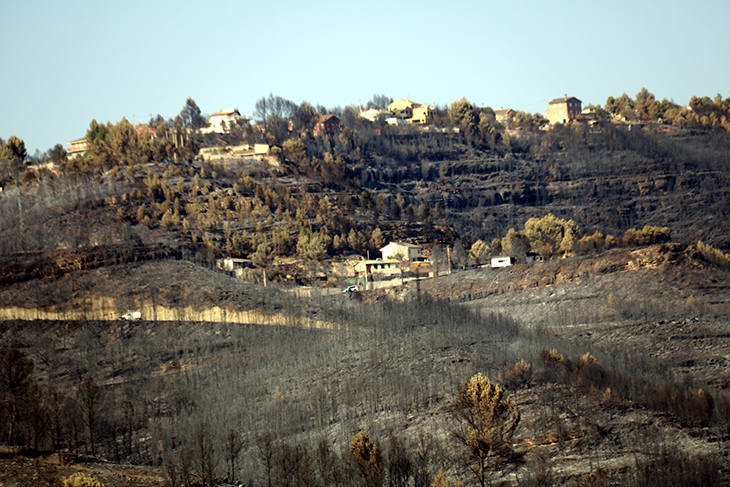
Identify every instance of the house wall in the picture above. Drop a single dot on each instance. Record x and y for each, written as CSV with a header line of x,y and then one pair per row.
x,y
216,123
371,114
79,145
421,115
504,115
413,252
385,269
377,268
231,265
501,261
403,113
393,249
383,284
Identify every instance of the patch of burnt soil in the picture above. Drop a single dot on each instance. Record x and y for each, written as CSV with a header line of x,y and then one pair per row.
x,y
666,271
30,467
26,266
163,282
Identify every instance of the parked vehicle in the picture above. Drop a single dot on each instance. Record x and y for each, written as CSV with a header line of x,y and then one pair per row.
x,y
132,316
350,289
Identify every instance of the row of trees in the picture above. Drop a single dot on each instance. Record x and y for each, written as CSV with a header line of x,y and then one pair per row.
x,y
280,119
111,144
550,236
701,112
39,415
219,209
484,422
358,138
264,389
123,144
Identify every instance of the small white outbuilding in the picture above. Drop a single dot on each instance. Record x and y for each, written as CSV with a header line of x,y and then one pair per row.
x,y
502,260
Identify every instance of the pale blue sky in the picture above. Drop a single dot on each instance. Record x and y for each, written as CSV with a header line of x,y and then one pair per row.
x,y
66,63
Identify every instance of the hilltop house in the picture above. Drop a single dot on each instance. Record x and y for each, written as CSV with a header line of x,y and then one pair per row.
x,y
401,251
221,122
422,115
403,108
327,124
407,111
372,114
233,265
78,147
503,115
563,110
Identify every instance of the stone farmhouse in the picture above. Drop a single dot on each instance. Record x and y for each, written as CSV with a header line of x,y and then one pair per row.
x,y
563,110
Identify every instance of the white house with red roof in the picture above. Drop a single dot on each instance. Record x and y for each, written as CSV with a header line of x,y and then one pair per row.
x,y
221,122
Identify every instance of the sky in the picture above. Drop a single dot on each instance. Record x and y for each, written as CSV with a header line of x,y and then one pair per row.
x,y
66,63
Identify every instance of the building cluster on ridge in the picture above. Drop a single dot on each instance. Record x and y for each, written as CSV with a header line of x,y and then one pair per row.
x,y
402,111
561,110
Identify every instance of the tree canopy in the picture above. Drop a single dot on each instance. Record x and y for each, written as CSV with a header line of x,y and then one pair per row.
x,y
13,150
485,421
191,116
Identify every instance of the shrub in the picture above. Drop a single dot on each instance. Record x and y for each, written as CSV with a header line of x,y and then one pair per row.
x,y
485,421
646,236
550,359
365,455
517,375
550,234
442,480
674,468
80,480
713,255
693,405
591,243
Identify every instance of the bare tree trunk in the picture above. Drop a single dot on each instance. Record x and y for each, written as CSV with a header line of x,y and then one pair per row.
x,y
89,398
207,460
234,445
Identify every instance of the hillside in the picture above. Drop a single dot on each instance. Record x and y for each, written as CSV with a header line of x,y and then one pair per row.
x,y
657,313
665,300
637,381
607,180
